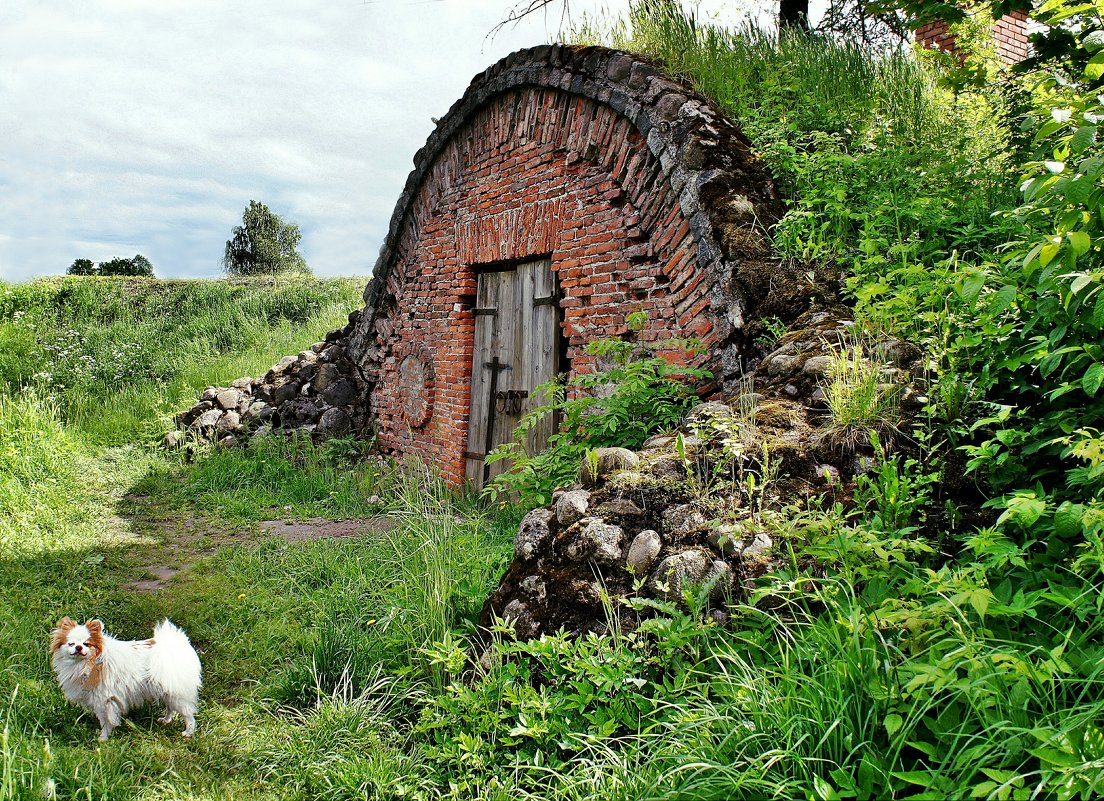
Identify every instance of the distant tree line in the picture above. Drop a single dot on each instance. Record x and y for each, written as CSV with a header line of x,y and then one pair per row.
x,y
262,245
139,265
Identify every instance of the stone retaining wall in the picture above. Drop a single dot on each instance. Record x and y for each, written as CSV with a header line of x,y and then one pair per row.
x,y
701,509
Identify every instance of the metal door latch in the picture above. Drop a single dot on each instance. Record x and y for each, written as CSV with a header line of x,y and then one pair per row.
x,y
509,401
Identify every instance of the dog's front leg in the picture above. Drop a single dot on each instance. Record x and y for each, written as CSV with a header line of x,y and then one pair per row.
x,y
110,715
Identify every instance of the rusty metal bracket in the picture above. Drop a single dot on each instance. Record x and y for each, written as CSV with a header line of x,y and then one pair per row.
x,y
496,366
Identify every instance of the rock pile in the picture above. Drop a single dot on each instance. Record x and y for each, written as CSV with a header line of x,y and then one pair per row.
x,y
649,524
697,509
797,365
317,392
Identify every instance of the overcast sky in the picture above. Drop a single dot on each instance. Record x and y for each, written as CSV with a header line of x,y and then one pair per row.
x,y
146,126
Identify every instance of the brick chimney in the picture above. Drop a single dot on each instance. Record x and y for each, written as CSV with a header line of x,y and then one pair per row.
x,y
1009,37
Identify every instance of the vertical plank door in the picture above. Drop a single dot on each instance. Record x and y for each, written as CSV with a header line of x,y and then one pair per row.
x,y
516,330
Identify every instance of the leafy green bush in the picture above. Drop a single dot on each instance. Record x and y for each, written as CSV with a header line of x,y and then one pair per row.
x,y
1050,369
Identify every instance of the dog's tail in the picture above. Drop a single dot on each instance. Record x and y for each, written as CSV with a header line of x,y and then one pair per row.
x,y
174,663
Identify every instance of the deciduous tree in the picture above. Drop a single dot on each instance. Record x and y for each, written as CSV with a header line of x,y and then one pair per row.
x,y
263,244
139,265
142,265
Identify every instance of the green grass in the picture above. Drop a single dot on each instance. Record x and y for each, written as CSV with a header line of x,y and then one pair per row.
x,y
339,669
839,86
965,666
279,625
120,355
88,502
273,478
861,402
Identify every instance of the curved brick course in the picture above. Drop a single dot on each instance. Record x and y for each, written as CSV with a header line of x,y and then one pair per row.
x,y
642,193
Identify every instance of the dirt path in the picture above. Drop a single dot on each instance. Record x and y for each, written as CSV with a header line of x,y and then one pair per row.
x,y
186,540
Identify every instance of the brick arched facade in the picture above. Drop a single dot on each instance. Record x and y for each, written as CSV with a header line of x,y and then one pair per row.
x,y
641,193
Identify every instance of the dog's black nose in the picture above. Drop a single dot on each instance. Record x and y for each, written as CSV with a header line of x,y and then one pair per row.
x,y
78,648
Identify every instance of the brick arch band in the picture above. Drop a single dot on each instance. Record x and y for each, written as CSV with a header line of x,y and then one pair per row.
x,y
642,194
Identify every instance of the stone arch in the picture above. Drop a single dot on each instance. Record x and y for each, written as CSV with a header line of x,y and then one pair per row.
x,y
642,193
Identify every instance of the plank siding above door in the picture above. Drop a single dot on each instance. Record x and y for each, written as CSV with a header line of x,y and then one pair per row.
x,y
516,330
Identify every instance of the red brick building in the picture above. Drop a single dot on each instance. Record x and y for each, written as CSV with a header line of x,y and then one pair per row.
x,y
566,189
1009,37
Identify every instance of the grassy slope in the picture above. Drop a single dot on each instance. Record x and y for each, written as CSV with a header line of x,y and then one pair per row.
x,y
332,666
72,460
120,354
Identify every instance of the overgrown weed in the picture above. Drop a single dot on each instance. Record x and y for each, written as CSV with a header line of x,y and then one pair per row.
x,y
862,403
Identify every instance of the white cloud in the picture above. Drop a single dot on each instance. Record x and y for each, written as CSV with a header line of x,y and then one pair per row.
x,y
146,126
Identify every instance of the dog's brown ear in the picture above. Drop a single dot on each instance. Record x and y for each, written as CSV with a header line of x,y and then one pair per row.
x,y
59,634
95,635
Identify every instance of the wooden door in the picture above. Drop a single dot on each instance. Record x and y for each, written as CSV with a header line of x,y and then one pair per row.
x,y
516,336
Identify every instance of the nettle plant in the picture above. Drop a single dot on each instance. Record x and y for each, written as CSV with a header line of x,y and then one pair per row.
x,y
1050,375
640,393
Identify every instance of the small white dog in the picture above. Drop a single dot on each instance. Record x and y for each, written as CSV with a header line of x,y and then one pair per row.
x,y
110,677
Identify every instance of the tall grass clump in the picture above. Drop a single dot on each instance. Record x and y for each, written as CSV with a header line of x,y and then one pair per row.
x,y
36,472
838,85
347,746
277,476
444,564
861,403
24,765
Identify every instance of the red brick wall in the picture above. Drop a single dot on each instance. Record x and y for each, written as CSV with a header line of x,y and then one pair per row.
x,y
1009,37
537,172
935,36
